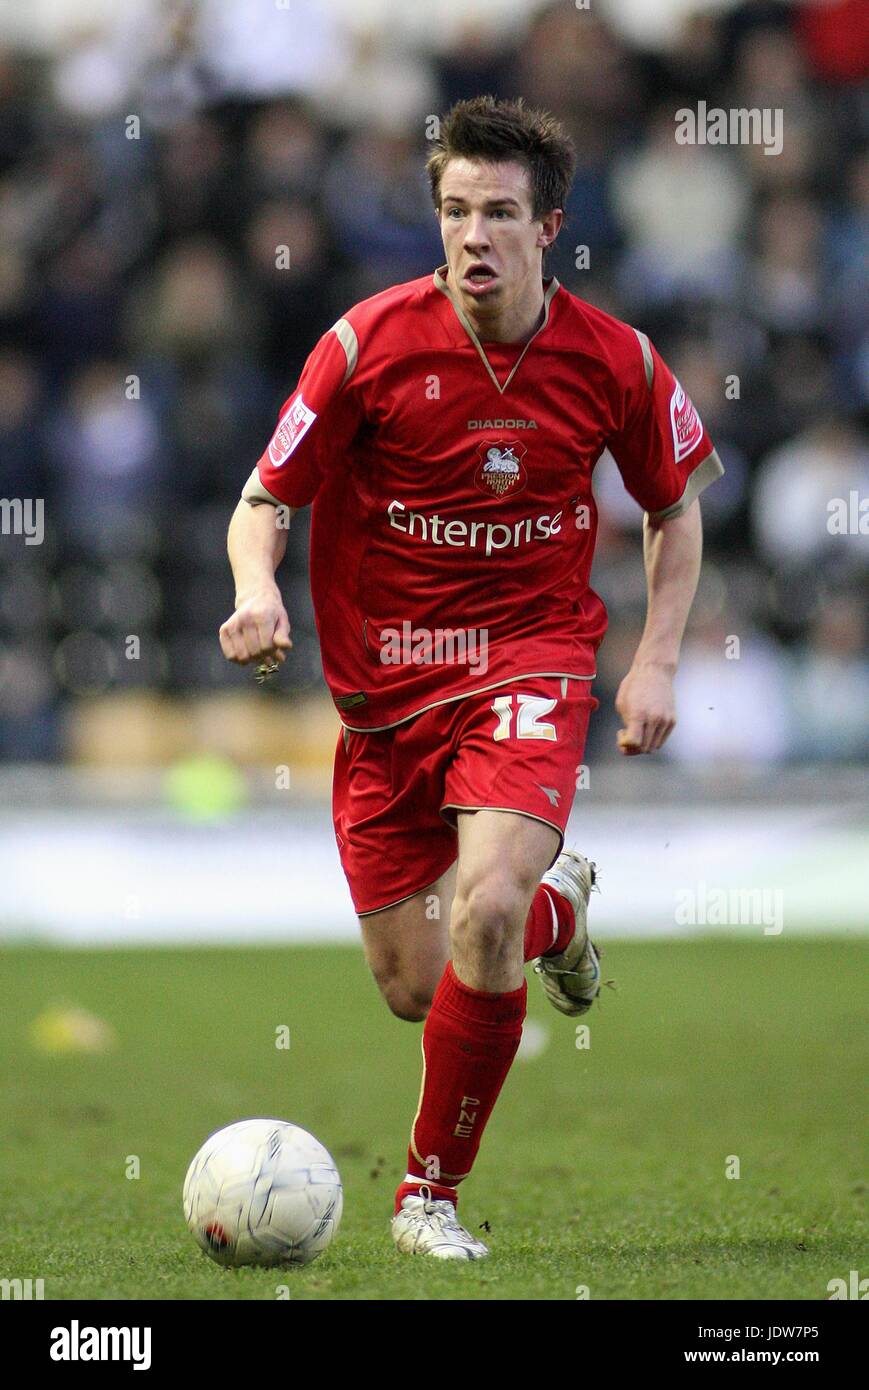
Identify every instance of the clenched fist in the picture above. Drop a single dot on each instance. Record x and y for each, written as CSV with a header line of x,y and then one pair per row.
x,y
258,629
647,708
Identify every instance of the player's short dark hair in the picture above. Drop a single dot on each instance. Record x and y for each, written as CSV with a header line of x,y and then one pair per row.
x,y
489,129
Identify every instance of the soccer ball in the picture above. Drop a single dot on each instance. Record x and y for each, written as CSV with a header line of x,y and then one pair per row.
x,y
263,1192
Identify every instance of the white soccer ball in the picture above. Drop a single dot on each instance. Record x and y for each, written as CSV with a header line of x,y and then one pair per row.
x,y
263,1192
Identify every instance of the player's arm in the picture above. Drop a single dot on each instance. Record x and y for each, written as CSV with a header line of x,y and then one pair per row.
x,y
315,427
672,550
666,460
257,541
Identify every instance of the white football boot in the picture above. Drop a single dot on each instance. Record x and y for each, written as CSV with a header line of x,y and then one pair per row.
x,y
571,979
429,1226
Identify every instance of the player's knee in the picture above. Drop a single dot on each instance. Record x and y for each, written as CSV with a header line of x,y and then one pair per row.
x,y
410,1005
408,1001
488,915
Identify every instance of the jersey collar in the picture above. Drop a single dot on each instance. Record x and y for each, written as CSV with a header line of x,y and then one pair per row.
x,y
440,284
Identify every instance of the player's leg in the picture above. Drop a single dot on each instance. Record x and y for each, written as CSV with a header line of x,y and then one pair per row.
x,y
526,760
511,803
398,854
474,1025
407,947
502,857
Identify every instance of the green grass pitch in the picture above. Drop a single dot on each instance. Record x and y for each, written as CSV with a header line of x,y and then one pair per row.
x,y
602,1167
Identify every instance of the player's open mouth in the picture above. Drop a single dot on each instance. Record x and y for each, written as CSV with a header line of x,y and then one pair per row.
x,y
478,277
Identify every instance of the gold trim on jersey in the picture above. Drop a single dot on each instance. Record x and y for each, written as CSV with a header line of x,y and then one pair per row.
x,y
705,473
648,359
441,284
465,694
406,897
346,335
510,811
255,493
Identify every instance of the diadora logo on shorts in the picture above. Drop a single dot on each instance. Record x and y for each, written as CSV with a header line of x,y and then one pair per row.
x,y
500,468
687,429
294,423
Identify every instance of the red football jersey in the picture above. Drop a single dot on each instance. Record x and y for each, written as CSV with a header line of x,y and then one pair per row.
x,y
453,522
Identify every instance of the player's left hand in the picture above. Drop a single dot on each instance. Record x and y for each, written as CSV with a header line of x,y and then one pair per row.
x,y
646,706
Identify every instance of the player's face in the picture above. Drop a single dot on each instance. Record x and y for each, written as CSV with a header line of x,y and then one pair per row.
x,y
494,247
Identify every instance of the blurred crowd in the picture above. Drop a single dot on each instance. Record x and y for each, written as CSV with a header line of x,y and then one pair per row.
x,y
154,163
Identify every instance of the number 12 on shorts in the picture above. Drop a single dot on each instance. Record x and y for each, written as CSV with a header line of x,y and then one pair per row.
x,y
527,712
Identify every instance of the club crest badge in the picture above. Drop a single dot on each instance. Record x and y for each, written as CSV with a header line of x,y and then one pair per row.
x,y
500,468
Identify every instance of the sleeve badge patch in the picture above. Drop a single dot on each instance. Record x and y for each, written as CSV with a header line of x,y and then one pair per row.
x,y
294,423
687,428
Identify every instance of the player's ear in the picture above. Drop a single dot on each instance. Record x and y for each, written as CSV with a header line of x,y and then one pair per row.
x,y
550,227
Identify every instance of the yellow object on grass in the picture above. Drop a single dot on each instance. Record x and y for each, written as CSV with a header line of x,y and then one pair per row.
x,y
66,1028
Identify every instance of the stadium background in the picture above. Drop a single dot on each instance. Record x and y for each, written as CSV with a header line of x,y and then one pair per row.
x,y
159,165
155,158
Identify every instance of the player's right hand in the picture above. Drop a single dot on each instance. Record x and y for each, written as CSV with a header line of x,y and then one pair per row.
x,y
258,629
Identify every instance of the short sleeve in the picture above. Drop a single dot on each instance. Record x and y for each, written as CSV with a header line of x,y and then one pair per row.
x,y
663,453
315,427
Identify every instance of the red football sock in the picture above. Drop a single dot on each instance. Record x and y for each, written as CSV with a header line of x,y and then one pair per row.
x,y
550,924
468,1043
411,1188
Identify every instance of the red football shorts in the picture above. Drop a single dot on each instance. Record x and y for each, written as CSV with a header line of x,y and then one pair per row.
x,y
395,793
